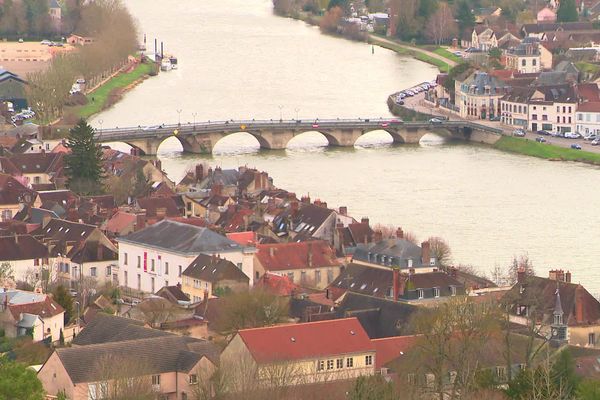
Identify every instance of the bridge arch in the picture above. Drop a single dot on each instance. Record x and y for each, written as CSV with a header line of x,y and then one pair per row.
x,y
312,138
249,141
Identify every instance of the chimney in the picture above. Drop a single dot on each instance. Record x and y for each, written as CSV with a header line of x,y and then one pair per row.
x,y
310,255
378,237
257,180
199,172
140,222
327,293
425,254
324,204
453,272
521,275
305,199
579,306
568,277
399,233
294,207
344,210
178,285
364,221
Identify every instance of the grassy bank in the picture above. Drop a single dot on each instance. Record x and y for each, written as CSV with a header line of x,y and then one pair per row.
x,y
543,150
447,54
442,66
97,100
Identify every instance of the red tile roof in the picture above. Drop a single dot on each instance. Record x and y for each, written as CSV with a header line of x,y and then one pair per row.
x,y
306,341
276,284
296,255
45,309
589,91
243,238
21,247
591,106
120,221
390,348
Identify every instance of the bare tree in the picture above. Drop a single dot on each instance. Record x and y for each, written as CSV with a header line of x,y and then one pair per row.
x,y
331,20
440,249
7,277
441,26
122,378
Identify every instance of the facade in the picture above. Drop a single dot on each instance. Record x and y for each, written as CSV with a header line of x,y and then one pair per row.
x,y
588,118
309,352
27,313
156,256
478,95
553,108
12,194
514,107
25,255
483,38
39,168
152,360
524,58
309,264
207,274
12,88
396,252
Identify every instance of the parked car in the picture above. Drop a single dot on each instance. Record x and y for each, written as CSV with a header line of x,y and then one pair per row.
x,y
543,132
576,146
400,102
45,42
80,81
540,139
572,135
151,128
496,118
519,132
591,136
595,142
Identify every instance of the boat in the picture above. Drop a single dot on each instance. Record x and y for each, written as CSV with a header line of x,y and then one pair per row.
x,y
173,62
166,65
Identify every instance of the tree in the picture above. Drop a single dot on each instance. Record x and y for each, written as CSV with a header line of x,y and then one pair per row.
x,y
567,11
17,382
84,165
62,297
440,249
588,389
251,309
464,16
126,378
7,277
337,3
331,20
372,388
441,25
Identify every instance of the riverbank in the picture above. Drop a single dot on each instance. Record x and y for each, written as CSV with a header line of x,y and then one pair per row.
x,y
546,151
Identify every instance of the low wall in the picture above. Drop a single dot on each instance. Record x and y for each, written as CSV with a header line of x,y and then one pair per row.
x,y
484,137
406,113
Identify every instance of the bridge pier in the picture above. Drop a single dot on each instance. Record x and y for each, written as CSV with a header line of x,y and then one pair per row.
x,y
274,139
343,137
148,147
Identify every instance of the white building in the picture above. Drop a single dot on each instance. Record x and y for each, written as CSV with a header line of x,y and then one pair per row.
x,y
553,108
588,118
25,257
157,255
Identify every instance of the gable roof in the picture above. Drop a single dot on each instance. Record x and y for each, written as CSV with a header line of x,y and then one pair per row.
x,y
31,163
214,269
13,192
389,349
44,309
173,292
296,255
21,247
310,217
105,328
93,252
307,340
177,237
153,205
155,355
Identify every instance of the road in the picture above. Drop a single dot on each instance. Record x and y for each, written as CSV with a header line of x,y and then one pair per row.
x,y
418,103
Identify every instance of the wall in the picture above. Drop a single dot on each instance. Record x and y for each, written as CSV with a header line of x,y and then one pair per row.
x,y
311,275
55,323
579,336
588,122
54,378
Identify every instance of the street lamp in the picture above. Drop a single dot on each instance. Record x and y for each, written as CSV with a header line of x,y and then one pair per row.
x,y
194,115
297,110
100,123
280,112
179,117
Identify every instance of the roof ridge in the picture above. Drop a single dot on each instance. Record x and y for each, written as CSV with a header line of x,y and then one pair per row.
x,y
301,324
395,337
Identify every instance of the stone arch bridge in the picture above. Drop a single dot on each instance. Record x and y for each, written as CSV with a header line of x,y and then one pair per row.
x,y
201,137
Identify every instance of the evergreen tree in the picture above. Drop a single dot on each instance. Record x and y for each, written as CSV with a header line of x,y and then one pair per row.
x,y
84,165
567,12
464,16
62,297
337,3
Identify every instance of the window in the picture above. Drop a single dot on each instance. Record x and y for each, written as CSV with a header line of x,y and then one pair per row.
x,y
124,258
592,339
93,271
152,284
411,379
166,268
534,116
152,265
179,271
125,277
36,262
557,108
432,261
139,263
330,275
320,365
569,108
92,391
580,117
193,379
339,363
564,109
436,292
523,62
369,360
329,364
303,276
420,293
501,373
410,263
290,276
139,282
317,276
534,62
155,380
452,290
349,362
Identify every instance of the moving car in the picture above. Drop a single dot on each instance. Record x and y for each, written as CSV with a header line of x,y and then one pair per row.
x,y
436,120
151,128
576,146
519,132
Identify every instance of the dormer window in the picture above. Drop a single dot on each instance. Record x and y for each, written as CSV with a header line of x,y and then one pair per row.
x,y
432,261
410,263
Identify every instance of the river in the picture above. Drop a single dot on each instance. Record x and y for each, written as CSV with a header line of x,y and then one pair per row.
x,y
238,60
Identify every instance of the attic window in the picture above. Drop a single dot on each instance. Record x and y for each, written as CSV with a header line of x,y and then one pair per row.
x,y
363,286
375,290
203,268
82,233
352,285
293,339
352,333
67,230
37,166
60,229
214,270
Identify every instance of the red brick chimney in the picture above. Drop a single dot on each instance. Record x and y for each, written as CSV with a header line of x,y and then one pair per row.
x,y
399,233
199,172
521,275
364,221
343,210
378,237
425,253
568,277
396,283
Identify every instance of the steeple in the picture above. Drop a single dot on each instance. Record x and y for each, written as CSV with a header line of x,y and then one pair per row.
x,y
558,306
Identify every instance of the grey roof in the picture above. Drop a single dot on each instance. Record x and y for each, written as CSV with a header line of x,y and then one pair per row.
x,y
177,237
213,269
105,328
27,321
551,78
310,217
398,250
152,356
